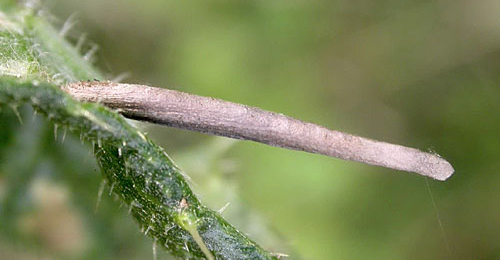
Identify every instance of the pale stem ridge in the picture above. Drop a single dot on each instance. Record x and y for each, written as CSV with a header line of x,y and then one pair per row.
x,y
218,117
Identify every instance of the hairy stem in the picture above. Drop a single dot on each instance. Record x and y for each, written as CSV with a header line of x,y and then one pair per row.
x,y
35,60
141,174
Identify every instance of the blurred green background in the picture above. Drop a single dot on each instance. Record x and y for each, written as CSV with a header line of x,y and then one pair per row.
x,y
425,74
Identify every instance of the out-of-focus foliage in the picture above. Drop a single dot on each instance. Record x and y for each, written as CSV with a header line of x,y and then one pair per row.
x,y
419,73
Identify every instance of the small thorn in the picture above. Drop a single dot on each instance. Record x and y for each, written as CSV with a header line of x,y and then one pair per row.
x,y
16,112
57,75
99,195
111,189
81,41
88,56
280,255
34,115
121,77
131,206
154,249
126,170
223,208
64,134
89,155
168,229
70,22
147,230
55,131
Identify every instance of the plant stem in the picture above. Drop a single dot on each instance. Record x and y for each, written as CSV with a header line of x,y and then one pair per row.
x,y
218,117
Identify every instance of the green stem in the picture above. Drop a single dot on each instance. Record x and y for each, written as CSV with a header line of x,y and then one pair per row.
x,y
139,171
